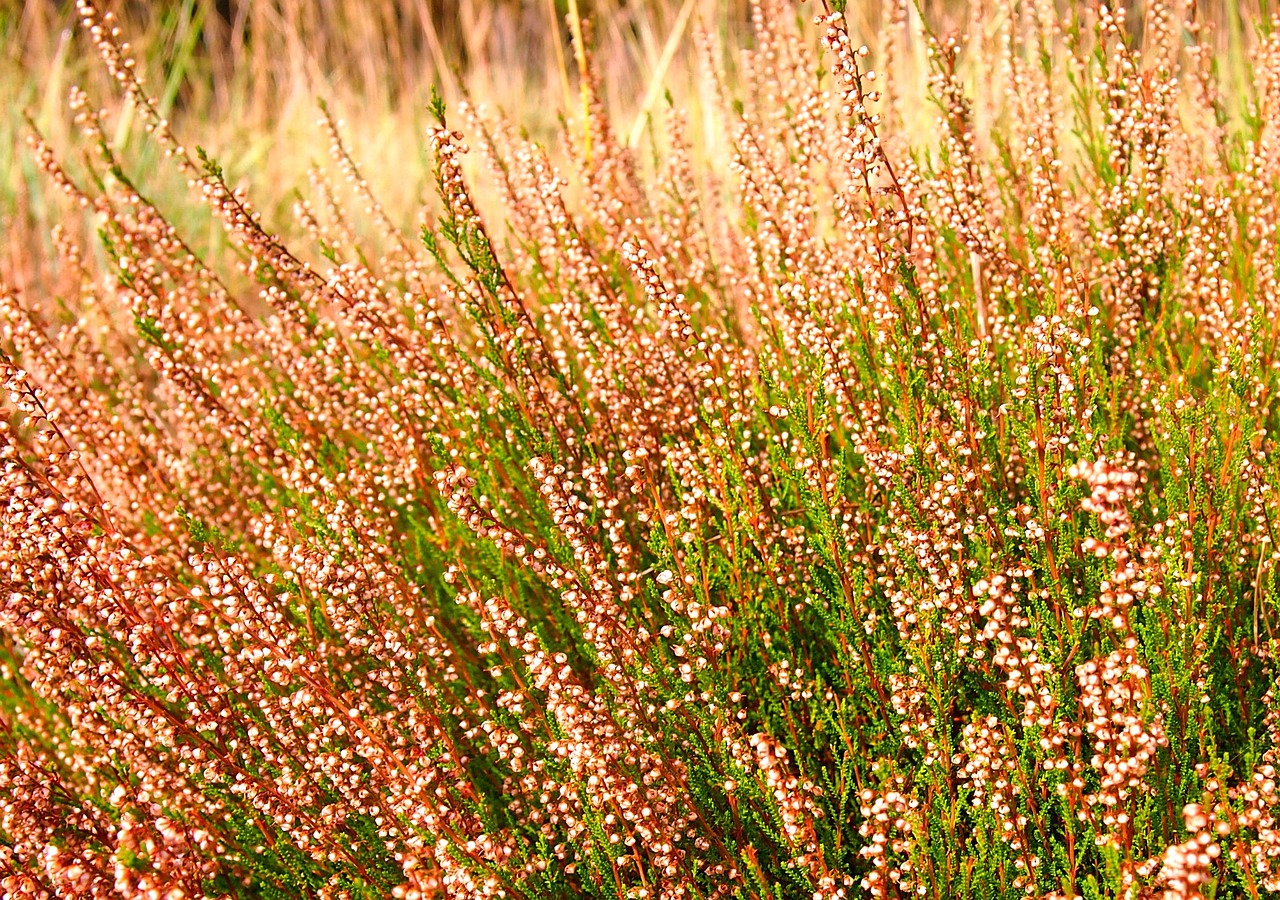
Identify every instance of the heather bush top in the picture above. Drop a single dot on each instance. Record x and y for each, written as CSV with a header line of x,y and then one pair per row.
x,y
857,510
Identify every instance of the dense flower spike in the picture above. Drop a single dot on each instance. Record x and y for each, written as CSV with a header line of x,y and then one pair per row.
x,y
855,496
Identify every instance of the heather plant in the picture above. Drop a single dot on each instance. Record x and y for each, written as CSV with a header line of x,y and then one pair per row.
x,y
858,511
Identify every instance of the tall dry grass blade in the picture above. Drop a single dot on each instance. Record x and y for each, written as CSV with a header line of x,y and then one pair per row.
x,y
584,77
659,74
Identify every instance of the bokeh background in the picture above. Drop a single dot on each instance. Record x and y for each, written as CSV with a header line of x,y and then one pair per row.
x,y
243,77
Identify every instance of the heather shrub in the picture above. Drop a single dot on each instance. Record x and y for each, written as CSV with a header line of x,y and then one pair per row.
x,y
880,505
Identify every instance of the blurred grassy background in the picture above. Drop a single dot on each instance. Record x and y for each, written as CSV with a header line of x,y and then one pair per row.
x,y
242,77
